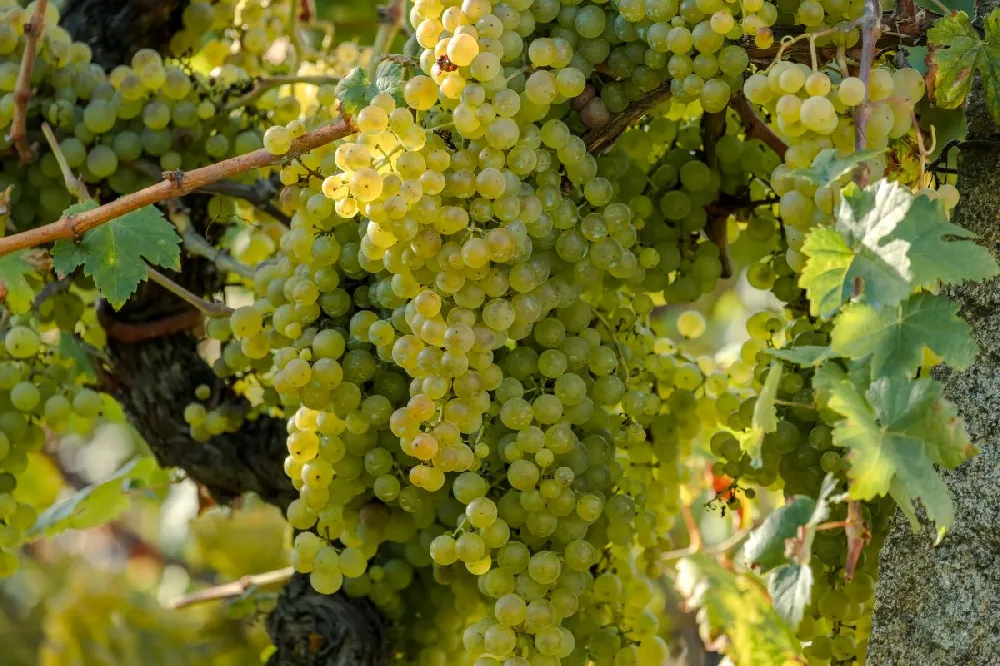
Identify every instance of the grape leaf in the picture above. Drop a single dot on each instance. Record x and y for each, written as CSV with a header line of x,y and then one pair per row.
x,y
114,253
895,434
72,349
857,259
935,260
356,90
790,587
895,337
957,53
826,167
14,273
98,503
734,613
765,547
805,356
765,416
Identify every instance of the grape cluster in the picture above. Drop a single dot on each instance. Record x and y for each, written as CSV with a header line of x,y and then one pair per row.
x,y
36,388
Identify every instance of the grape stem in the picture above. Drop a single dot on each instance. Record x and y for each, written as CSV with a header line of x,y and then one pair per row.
x,y
756,127
196,244
73,184
718,549
235,588
601,138
207,308
392,17
175,184
261,86
22,90
871,28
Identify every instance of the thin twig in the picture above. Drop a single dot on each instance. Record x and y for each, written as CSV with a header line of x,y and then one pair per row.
x,y
176,184
391,21
756,127
74,185
871,29
268,83
600,138
717,549
207,308
196,244
235,588
22,91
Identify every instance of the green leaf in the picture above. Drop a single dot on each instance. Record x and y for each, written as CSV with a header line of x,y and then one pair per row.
x,y
98,503
895,434
765,547
895,337
765,416
826,167
886,244
805,356
355,91
390,78
857,259
935,260
790,587
14,274
71,348
735,613
114,254
957,53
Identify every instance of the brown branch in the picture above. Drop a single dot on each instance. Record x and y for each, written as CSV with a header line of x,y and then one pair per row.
x,y
22,91
601,138
259,194
235,588
151,330
756,127
871,29
175,184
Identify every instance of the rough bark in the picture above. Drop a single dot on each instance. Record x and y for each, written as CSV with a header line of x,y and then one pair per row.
x,y
322,630
941,605
155,379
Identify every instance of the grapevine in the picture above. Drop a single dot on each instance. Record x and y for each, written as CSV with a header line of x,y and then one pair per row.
x,y
414,294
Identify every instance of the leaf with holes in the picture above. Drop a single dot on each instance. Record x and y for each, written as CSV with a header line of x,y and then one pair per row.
x,y
957,52
115,253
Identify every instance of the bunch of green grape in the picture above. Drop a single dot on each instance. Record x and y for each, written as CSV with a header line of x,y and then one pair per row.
x,y
35,390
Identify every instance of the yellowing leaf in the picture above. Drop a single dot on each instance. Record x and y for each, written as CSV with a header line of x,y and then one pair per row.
x,y
734,613
957,52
